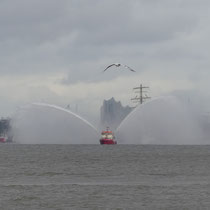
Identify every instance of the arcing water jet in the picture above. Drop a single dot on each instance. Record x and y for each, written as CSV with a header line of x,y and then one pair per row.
x,y
44,123
165,120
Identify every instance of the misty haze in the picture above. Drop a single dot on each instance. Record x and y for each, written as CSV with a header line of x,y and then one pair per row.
x,y
104,104
164,120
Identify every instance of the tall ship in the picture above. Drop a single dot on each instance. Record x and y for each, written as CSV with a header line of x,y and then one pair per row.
x,y
107,137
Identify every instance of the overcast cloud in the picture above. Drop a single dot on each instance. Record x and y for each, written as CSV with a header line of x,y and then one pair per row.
x,y
54,51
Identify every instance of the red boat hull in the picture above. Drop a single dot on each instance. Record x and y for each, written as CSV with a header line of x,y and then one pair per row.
x,y
107,141
2,140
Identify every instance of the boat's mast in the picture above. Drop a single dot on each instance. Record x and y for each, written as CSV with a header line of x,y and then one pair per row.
x,y
140,90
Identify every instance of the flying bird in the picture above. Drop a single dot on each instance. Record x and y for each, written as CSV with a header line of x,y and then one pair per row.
x,y
118,65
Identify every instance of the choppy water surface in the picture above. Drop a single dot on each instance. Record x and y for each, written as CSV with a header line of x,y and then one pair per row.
x,y
104,177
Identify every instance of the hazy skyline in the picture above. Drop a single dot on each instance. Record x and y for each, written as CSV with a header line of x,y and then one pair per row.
x,y
55,51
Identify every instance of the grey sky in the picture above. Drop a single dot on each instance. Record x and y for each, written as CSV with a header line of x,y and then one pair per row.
x,y
54,51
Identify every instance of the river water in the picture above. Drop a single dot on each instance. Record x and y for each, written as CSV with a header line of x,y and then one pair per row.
x,y
104,177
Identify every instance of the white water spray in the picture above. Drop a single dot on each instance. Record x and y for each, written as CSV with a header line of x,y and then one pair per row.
x,y
44,123
65,110
165,120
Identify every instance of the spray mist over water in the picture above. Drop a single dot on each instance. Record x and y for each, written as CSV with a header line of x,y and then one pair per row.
x,y
165,120
44,123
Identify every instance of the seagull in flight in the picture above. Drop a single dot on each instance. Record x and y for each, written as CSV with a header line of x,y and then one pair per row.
x,y
118,65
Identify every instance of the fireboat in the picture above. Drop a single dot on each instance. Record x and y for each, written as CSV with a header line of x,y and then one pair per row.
x,y
107,137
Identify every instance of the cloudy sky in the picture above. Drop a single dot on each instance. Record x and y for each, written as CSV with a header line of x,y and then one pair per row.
x,y
55,51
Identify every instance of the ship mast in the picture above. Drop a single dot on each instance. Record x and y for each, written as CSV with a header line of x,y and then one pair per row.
x,y
142,96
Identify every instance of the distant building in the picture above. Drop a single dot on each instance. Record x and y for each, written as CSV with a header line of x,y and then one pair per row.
x,y
113,113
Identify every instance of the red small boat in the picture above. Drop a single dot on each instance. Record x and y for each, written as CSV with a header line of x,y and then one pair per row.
x,y
107,137
2,139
